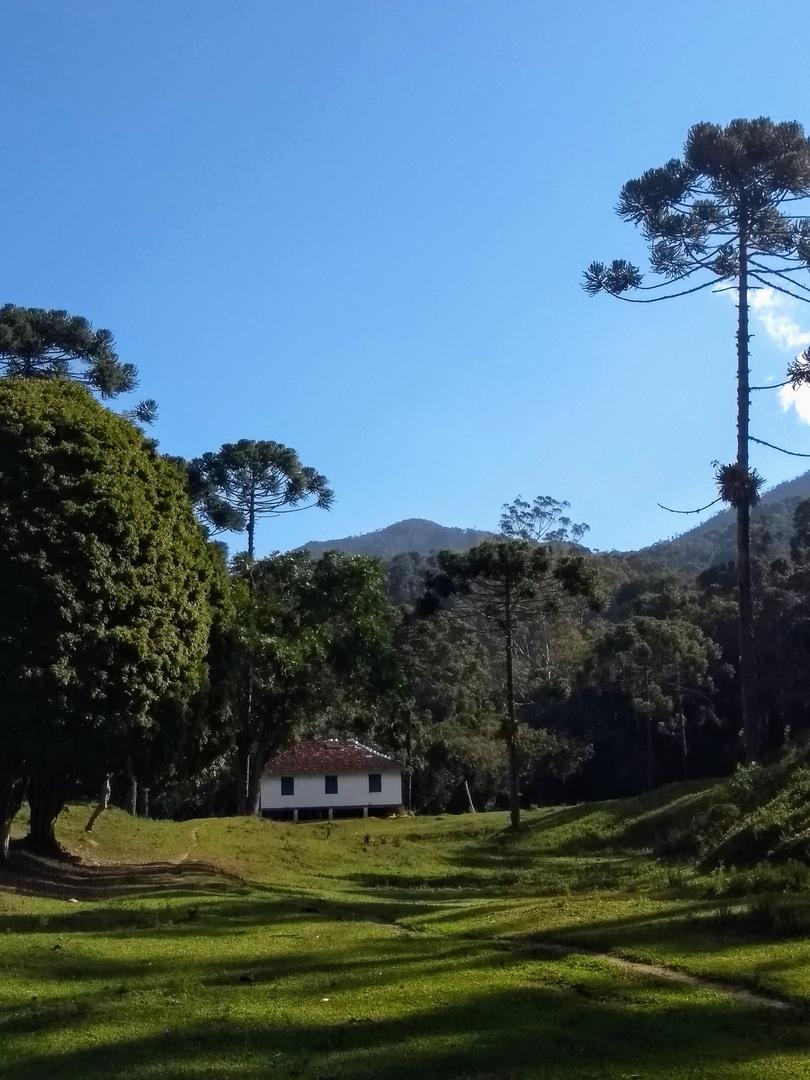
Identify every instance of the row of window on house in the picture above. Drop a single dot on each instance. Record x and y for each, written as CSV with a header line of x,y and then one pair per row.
x,y
330,784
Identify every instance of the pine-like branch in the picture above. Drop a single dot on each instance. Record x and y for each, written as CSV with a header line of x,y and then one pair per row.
x,y
699,510
781,449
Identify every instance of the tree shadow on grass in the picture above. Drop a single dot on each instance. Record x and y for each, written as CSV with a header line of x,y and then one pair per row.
x,y
209,915
585,1030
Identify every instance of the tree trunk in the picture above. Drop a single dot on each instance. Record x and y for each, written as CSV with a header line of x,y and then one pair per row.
x,y
245,778
511,721
251,525
242,777
409,759
143,810
254,785
470,802
101,805
12,792
748,688
132,791
47,793
682,720
650,753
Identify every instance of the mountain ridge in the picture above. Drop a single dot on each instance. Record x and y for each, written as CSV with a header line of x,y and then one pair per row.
x,y
411,534
709,542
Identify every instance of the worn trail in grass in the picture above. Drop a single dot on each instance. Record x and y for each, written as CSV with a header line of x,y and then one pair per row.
x,y
389,949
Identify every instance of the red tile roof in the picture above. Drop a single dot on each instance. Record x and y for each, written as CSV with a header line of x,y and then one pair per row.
x,y
327,756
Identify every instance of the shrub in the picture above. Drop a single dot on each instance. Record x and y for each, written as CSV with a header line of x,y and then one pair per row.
x,y
762,879
784,916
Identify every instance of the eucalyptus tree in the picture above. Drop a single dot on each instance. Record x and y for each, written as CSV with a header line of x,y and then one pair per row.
x,y
105,595
543,520
495,588
663,668
250,479
720,218
441,694
36,343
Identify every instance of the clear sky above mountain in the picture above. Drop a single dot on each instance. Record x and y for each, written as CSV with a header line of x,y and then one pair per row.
x,y
359,228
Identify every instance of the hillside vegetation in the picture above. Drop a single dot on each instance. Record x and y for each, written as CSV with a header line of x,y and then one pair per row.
x,y
414,534
713,541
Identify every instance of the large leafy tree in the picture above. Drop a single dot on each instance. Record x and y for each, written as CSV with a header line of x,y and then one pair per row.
x,y
244,481
495,588
722,217
105,593
312,639
36,343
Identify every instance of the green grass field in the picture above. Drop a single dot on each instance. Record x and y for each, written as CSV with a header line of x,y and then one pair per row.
x,y
411,947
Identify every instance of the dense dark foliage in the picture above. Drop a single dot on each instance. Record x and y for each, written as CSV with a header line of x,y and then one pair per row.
x,y
105,593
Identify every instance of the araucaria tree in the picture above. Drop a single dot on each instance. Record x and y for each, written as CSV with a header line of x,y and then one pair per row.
x,y
250,479
105,595
495,588
718,218
39,344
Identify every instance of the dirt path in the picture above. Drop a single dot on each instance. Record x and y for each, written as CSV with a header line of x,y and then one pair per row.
x,y
195,834
658,971
638,968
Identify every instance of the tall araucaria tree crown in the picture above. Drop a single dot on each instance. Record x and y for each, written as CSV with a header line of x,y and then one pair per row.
x,y
253,478
690,211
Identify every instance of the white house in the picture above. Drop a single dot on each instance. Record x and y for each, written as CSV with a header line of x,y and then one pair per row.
x,y
323,776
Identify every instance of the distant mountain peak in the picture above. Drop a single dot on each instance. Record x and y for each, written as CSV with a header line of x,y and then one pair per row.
x,y
411,534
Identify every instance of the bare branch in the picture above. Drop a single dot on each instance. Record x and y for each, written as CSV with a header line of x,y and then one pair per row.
x,y
772,386
780,274
780,288
699,510
781,449
669,296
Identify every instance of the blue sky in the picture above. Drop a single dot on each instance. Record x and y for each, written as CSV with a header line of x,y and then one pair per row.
x,y
358,227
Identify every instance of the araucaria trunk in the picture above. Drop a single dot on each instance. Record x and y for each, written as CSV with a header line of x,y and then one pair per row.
x,y
511,720
748,688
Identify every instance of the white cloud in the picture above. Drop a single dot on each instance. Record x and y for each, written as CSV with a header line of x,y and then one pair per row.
x,y
772,309
774,312
798,399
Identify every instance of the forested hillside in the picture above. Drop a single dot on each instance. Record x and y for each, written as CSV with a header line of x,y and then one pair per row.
x,y
713,541
413,534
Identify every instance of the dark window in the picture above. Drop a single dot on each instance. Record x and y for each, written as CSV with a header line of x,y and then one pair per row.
x,y
330,785
374,781
288,785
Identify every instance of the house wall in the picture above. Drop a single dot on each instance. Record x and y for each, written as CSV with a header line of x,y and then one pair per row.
x,y
352,791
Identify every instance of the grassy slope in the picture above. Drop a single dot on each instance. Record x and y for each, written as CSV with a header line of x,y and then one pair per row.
x,y
389,949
